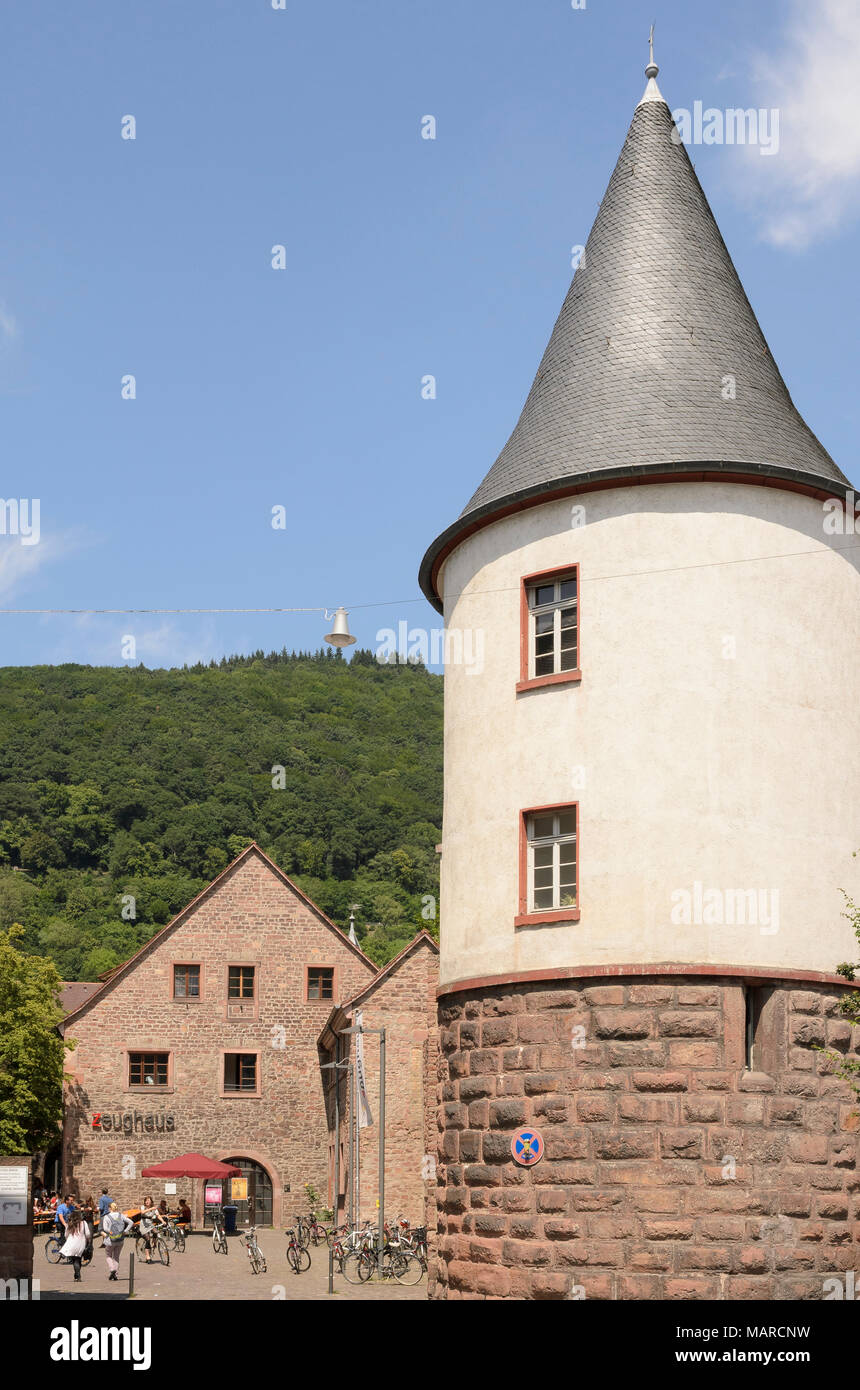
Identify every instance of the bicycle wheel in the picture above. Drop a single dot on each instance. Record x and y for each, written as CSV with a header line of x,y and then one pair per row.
x,y
140,1247
162,1252
406,1268
293,1257
367,1265
352,1267
223,1247
179,1241
52,1250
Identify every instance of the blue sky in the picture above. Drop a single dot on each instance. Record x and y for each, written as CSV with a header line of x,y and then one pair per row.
x,y
404,257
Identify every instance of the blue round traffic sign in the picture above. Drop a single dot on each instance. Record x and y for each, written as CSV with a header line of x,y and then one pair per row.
x,y
527,1147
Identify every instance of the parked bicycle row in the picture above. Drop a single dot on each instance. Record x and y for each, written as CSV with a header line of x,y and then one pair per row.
x,y
355,1249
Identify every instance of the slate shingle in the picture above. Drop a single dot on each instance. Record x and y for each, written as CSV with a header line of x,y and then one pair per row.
x,y
654,321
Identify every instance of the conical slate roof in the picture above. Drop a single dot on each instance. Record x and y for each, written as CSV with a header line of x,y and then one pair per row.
x,y
633,380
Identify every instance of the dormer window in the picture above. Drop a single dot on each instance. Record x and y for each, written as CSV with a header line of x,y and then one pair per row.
x,y
550,628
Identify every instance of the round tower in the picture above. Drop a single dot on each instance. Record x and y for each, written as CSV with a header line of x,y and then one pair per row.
x,y
651,797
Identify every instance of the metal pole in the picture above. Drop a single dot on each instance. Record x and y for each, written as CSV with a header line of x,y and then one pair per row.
x,y
381,1147
357,1169
130,1270
336,1158
351,1144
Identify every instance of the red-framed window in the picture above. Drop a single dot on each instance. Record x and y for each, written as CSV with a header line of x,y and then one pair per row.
x,y
148,1069
241,1073
320,982
186,981
550,628
241,981
549,864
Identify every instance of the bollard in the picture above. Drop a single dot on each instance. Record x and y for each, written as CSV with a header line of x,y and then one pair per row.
x,y
131,1273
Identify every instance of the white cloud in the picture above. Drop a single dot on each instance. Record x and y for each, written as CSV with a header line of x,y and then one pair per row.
x,y
97,640
18,562
811,187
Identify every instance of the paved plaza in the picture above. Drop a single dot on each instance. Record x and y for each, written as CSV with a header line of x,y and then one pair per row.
x,y
199,1273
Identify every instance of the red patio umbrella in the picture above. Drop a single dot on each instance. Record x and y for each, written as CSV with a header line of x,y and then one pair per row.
x,y
192,1166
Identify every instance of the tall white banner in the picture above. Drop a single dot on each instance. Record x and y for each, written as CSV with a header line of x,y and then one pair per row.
x,y
365,1118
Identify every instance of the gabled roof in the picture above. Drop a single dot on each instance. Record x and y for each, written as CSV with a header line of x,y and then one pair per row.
x,y
253,848
73,993
340,1011
631,380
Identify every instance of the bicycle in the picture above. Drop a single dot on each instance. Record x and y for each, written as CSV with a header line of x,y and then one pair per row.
x,y
219,1237
399,1261
359,1261
255,1254
298,1257
154,1243
53,1246
396,1264
314,1230
174,1237
339,1253
413,1240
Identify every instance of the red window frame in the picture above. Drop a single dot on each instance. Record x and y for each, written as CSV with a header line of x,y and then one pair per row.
x,y
529,581
319,998
524,917
186,966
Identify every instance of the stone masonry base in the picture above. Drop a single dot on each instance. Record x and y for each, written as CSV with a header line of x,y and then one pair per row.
x,y
671,1169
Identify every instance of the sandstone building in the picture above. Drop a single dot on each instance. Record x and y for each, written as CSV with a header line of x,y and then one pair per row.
x,y
641,867
209,1040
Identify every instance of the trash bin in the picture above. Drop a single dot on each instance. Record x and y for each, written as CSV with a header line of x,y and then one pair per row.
x,y
230,1220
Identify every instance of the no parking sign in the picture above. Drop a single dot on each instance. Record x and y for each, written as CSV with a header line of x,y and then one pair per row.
x,y
527,1147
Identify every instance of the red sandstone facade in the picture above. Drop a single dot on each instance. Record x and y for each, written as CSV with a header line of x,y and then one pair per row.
x,y
671,1169
251,916
402,1000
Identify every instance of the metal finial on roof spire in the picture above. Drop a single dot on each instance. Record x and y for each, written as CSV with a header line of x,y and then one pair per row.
x,y
652,91
651,63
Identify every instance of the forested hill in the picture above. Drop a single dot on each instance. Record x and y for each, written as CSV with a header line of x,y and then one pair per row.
x,y
120,783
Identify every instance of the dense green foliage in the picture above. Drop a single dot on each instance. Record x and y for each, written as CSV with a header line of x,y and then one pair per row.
x,y
31,1050
121,784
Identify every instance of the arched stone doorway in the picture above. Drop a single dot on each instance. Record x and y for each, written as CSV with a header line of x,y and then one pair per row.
x,y
257,1208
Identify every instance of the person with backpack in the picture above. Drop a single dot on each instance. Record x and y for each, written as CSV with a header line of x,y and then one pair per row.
x,y
115,1227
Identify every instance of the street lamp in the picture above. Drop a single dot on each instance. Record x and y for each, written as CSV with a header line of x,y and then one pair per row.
x,y
340,635
360,1028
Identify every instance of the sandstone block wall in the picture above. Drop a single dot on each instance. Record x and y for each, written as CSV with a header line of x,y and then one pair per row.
x,y
671,1171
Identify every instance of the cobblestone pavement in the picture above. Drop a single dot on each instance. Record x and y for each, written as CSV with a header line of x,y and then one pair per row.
x,y
201,1274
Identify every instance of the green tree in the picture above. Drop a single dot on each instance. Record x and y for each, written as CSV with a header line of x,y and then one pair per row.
x,y
31,1050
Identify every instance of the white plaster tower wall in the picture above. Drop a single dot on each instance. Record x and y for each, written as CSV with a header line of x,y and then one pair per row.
x,y
711,741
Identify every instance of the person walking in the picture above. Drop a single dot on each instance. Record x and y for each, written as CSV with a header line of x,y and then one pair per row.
x,y
104,1204
78,1236
115,1227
